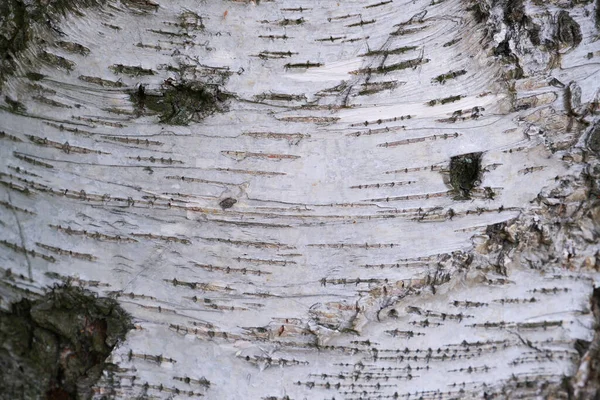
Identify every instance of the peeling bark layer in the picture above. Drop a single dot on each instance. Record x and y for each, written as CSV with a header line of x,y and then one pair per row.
x,y
355,200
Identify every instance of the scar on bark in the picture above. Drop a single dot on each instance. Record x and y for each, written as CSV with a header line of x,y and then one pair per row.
x,y
55,347
227,203
179,103
568,31
465,172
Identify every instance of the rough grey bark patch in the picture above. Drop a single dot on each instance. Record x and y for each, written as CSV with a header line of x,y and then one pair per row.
x,y
465,171
55,347
593,140
568,31
587,386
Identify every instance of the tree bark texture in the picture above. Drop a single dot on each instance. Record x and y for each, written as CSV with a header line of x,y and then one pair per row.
x,y
312,200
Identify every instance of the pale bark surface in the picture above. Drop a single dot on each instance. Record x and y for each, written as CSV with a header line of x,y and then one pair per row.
x,y
267,188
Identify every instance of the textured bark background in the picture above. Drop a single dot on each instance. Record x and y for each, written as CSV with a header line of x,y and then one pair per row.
x,y
349,200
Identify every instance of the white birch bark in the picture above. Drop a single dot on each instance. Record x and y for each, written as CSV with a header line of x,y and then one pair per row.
x,y
346,267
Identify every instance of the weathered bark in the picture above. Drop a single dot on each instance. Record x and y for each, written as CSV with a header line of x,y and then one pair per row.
x,y
56,346
322,200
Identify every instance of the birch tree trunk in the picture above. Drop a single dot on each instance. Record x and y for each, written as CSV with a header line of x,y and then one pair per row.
x,y
312,200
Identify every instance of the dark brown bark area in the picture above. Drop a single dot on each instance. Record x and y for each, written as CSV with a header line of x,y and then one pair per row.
x,y
55,347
